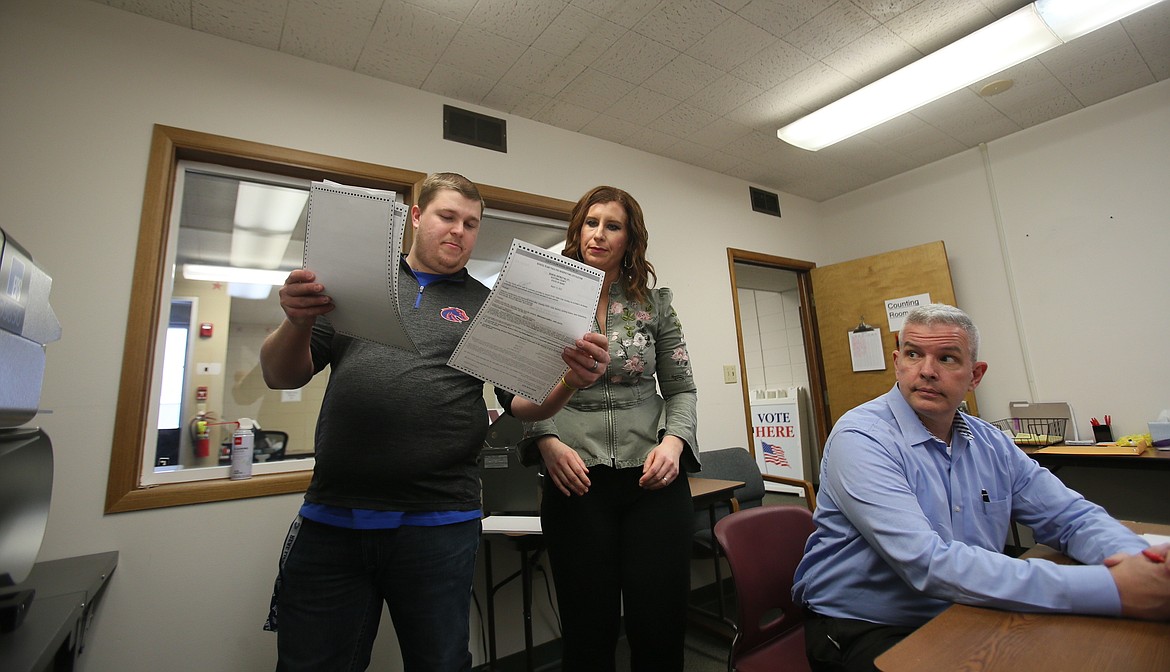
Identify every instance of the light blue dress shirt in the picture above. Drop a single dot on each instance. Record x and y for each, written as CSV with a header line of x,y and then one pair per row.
x,y
903,528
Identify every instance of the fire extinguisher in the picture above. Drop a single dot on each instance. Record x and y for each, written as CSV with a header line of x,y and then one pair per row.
x,y
202,439
200,428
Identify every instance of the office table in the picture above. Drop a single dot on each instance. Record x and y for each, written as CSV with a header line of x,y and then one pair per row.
x,y
53,633
525,531
991,640
1151,459
706,493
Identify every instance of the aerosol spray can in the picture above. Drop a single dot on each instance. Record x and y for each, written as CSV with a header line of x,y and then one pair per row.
x,y
243,441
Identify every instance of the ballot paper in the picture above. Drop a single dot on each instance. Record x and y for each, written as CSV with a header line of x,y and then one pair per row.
x,y
353,239
542,302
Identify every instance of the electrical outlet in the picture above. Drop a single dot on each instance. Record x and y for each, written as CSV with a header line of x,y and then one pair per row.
x,y
729,373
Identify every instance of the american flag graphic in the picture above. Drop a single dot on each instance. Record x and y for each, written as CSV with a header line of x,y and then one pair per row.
x,y
774,455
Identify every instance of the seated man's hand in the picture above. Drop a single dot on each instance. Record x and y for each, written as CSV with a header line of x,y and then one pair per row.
x,y
1143,583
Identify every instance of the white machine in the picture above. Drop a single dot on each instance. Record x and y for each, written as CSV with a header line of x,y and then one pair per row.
x,y
27,324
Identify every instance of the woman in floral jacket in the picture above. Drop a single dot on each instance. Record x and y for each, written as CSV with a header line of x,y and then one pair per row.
x,y
616,514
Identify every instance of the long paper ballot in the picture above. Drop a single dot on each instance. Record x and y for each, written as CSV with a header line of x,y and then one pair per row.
x,y
541,303
352,241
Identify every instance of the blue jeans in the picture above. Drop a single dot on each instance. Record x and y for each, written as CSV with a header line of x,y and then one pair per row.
x,y
335,580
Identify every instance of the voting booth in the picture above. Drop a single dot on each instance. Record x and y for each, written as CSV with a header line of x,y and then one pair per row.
x,y
779,424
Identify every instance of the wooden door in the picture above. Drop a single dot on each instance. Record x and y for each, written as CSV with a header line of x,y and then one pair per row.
x,y
850,291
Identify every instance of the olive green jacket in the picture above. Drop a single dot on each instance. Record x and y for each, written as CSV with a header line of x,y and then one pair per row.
x,y
619,419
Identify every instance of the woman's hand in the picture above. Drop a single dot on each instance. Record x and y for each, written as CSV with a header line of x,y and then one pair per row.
x,y
564,466
661,466
587,361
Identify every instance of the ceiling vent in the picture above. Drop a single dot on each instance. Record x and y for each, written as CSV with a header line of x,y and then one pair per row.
x,y
765,202
472,128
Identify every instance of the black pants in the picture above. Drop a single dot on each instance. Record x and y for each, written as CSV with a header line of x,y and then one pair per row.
x,y
846,645
620,545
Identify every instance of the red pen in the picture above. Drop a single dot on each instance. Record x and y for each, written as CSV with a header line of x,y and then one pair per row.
x,y
1153,555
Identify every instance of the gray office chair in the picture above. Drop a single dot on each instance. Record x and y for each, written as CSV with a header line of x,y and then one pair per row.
x,y
737,464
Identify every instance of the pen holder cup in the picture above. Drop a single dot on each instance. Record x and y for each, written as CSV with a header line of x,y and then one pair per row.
x,y
1103,433
1160,435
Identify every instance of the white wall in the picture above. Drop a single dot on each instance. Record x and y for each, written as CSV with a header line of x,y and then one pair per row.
x,y
1084,203
82,85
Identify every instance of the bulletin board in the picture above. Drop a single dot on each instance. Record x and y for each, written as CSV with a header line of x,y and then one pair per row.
x,y
850,291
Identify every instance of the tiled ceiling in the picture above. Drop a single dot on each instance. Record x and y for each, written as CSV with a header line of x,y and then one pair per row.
x,y
706,82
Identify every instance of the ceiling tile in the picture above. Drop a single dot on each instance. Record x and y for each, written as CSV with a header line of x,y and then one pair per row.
x,y
328,31
641,106
565,115
966,117
814,87
542,72
773,64
680,23
256,23
614,69
485,54
458,10
579,35
832,29
1035,94
624,12
1098,66
394,66
634,58
704,157
1150,32
756,146
519,20
781,18
609,128
733,5
730,43
515,100
720,133
933,24
595,90
177,12
683,120
651,140
766,112
447,80
682,77
724,95
872,56
405,28
884,10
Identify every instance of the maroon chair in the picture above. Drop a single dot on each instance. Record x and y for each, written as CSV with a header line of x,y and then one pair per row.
x,y
763,545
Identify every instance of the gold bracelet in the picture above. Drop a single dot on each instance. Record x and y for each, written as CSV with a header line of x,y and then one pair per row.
x,y
566,384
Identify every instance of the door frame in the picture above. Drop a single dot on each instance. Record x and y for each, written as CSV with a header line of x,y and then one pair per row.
x,y
810,334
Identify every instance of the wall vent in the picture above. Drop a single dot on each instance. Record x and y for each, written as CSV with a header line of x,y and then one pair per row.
x,y
472,128
765,202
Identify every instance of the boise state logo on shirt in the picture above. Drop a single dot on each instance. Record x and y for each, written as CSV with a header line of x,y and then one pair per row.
x,y
452,314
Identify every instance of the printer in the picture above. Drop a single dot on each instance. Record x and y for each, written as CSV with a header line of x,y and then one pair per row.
x,y
509,487
27,324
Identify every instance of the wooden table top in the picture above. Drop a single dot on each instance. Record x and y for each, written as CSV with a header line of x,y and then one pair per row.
x,y
965,638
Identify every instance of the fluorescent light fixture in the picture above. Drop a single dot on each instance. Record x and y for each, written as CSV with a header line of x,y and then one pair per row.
x,y
1013,39
263,223
240,290
251,276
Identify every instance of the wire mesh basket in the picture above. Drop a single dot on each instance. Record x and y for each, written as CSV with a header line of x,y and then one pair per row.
x,y
1033,431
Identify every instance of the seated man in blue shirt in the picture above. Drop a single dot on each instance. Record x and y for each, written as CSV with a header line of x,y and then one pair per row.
x,y
916,501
